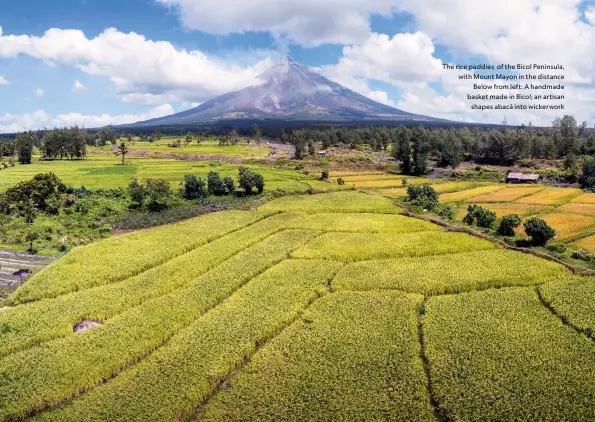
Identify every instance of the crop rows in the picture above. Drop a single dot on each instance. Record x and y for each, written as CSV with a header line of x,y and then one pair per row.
x,y
470,193
175,379
506,209
551,196
55,370
124,256
573,301
449,273
508,194
352,356
349,247
585,198
567,225
348,201
501,355
33,323
359,222
587,209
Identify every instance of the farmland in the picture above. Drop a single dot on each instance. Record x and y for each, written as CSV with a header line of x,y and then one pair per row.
x,y
311,307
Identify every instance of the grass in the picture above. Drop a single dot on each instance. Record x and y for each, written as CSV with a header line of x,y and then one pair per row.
x,y
453,186
362,223
470,193
348,201
444,274
371,184
574,301
394,192
352,356
185,371
507,195
124,256
206,147
349,247
44,320
501,355
551,196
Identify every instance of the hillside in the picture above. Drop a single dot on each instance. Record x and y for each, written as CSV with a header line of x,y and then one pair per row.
x,y
289,92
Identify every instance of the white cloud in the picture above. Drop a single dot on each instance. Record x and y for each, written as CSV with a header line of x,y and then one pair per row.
x,y
78,87
39,92
3,81
139,68
40,119
307,22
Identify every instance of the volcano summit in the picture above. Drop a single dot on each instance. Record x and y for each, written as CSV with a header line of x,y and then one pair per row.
x,y
289,92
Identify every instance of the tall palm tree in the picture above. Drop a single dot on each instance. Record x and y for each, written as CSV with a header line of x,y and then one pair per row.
x,y
122,150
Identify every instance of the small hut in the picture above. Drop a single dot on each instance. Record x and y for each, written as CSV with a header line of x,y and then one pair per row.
x,y
522,178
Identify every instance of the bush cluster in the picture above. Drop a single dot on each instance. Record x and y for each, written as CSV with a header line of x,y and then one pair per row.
x,y
423,196
480,216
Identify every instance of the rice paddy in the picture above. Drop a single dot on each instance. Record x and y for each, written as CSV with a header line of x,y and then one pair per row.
x,y
551,196
310,308
470,193
506,195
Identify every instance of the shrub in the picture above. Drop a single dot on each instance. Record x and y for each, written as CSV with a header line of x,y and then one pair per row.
x,y
478,215
324,175
137,192
229,185
423,196
508,224
215,184
447,211
539,231
40,189
193,188
249,179
158,194
340,181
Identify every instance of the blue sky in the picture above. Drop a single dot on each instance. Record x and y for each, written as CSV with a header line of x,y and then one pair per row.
x,y
391,51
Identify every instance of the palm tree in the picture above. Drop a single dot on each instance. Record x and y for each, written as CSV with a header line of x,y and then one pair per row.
x,y
122,150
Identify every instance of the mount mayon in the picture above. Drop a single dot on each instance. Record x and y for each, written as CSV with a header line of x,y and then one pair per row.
x,y
290,92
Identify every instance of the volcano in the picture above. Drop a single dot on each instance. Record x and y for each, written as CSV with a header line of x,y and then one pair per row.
x,y
289,92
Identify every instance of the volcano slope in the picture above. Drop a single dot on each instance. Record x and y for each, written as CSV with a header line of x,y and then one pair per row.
x,y
316,307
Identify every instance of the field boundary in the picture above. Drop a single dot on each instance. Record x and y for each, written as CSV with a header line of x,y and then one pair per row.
x,y
222,385
562,318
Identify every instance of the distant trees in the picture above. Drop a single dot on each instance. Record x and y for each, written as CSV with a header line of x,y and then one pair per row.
x,y
154,194
257,135
24,143
60,143
300,143
587,178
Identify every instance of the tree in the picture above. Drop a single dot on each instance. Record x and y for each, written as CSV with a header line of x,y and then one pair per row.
x,y
423,196
257,134
483,217
122,150
298,140
450,150
194,188
234,137
311,149
587,178
539,231
402,148
421,148
30,238
137,192
215,184
248,180
40,189
24,143
28,211
508,224
158,194
229,184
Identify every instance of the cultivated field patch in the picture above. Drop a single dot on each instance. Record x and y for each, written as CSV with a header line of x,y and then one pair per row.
x,y
470,193
585,198
506,209
587,243
349,247
348,201
508,194
454,273
578,208
551,196
362,222
567,225
352,356
502,355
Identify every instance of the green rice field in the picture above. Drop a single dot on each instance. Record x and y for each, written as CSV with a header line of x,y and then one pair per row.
x,y
317,307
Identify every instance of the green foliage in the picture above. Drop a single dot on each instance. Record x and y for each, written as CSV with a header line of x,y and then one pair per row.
x,y
193,188
480,216
215,184
300,143
137,192
451,273
423,196
451,150
324,175
539,231
60,143
447,211
332,365
508,224
31,237
38,191
24,143
340,181
248,180
154,195
500,355
229,185
587,178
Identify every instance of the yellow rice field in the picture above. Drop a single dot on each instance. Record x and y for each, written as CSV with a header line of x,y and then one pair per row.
x,y
587,243
394,192
508,194
567,225
506,209
471,193
551,196
587,209
586,198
